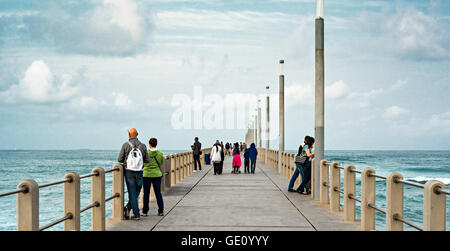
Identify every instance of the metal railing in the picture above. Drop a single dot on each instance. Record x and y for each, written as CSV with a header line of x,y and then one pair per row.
x,y
435,192
174,169
434,215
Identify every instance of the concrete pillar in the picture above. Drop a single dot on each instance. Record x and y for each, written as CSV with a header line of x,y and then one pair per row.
x,y
98,196
72,202
349,189
314,192
267,120
118,185
259,123
434,207
335,182
324,179
28,206
367,196
394,202
281,115
319,108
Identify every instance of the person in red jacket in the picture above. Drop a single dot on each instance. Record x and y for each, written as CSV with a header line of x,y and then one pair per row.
x,y
236,159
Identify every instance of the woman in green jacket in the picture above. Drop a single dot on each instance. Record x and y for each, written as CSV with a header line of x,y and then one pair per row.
x,y
152,176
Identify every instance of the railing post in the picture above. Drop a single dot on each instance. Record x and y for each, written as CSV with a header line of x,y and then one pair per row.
x,y
313,191
368,196
173,170
28,206
434,208
349,189
178,167
394,202
164,176
167,170
117,184
335,182
72,202
98,196
324,179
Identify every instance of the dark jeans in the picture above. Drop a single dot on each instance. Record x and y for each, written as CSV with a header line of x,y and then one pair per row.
x,y
253,165
298,170
197,160
217,166
306,177
247,166
156,182
134,184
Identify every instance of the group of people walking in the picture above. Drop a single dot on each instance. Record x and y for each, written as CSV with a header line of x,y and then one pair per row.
x,y
141,169
218,156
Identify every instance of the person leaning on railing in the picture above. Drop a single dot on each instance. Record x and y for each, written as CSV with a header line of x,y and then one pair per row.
x,y
306,177
299,169
153,176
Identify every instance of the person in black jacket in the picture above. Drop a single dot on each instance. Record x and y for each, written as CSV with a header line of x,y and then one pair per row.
x,y
196,150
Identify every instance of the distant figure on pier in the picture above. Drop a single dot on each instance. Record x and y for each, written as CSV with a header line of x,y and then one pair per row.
x,y
236,158
253,154
153,176
196,150
246,161
307,151
227,147
216,157
222,155
244,148
133,155
299,168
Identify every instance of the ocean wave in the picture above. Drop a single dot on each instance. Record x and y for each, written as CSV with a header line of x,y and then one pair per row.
x,y
424,180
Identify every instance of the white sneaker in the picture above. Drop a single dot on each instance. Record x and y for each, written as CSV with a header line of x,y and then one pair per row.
x,y
195,171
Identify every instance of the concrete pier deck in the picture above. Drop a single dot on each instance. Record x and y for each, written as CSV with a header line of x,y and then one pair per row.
x,y
244,202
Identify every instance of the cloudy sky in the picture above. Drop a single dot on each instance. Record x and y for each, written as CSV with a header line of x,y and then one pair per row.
x,y
78,73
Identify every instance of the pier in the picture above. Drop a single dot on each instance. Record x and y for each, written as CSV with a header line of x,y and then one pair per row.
x,y
204,201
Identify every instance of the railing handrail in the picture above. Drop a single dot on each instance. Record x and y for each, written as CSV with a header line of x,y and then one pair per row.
x,y
183,167
432,189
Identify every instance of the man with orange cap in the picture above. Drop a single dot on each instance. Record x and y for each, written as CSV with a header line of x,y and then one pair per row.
x,y
133,155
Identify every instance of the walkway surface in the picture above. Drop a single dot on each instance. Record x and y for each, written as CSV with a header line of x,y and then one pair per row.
x,y
243,202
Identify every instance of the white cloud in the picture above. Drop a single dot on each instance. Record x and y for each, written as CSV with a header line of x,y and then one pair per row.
x,y
395,112
336,90
399,84
440,120
299,94
121,100
408,32
40,85
113,28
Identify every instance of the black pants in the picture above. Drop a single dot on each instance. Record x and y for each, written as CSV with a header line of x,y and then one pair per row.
x,y
157,188
197,159
247,166
216,167
253,165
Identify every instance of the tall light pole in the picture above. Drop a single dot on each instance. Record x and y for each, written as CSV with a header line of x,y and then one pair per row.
x,y
319,108
259,122
256,127
281,116
267,121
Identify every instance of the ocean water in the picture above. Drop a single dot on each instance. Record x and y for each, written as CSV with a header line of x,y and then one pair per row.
x,y
46,167
49,166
